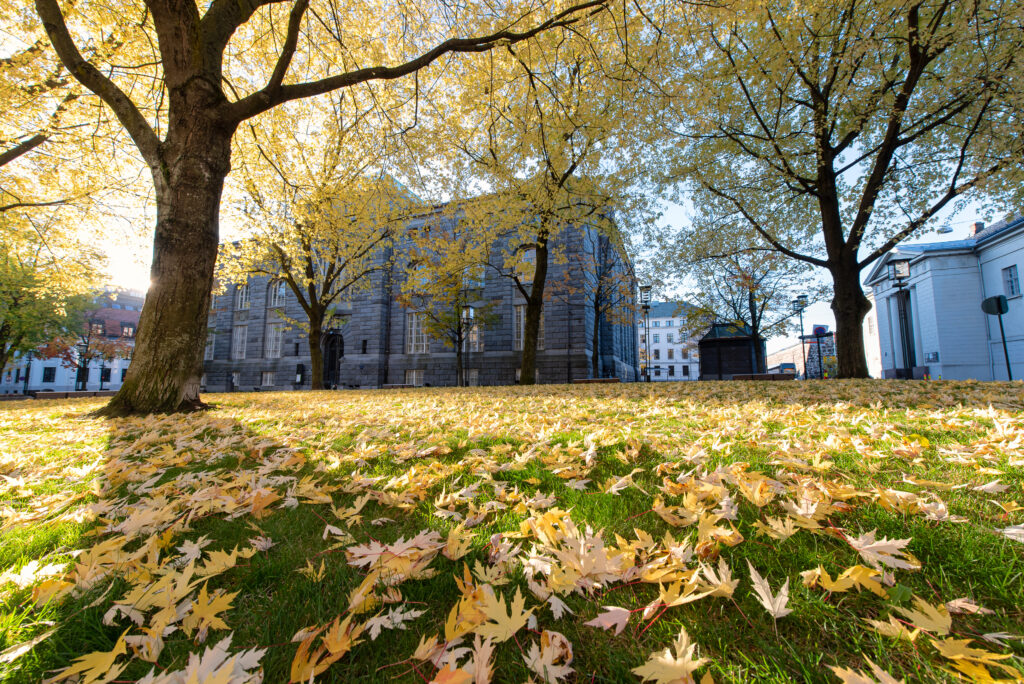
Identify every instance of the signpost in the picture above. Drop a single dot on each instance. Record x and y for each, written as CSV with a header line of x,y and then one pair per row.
x,y
997,306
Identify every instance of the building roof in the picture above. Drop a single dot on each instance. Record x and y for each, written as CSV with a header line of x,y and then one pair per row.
x,y
669,309
971,244
727,330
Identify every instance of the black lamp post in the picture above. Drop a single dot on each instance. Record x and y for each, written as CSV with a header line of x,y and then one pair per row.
x,y
797,306
645,304
899,273
467,326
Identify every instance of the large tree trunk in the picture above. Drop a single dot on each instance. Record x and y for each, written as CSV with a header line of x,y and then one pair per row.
x,y
316,355
850,306
534,310
167,364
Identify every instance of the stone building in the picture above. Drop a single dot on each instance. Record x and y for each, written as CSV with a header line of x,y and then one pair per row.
x,y
373,341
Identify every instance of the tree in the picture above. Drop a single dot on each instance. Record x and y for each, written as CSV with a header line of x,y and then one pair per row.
x,y
835,129
551,148
87,341
320,233
46,279
187,80
444,282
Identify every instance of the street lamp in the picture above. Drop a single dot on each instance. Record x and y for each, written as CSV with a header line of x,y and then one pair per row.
x,y
898,271
797,306
467,324
645,304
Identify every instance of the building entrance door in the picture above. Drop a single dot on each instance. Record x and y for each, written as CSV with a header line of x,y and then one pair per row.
x,y
334,352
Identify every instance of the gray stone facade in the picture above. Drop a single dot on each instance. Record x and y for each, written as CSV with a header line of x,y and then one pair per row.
x,y
368,346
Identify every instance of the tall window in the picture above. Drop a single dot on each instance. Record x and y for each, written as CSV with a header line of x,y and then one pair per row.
x,y
668,337
1011,283
472,340
416,336
657,354
49,373
275,294
671,370
668,324
242,296
671,353
267,379
519,328
275,337
414,377
472,376
686,354
656,324
208,352
97,328
127,330
657,338
686,370
238,341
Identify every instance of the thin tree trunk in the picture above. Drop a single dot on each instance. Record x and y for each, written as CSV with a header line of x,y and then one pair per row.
x,y
595,357
168,361
850,306
534,310
459,370
316,356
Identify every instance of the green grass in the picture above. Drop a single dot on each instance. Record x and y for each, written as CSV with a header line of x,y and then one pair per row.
x,y
71,478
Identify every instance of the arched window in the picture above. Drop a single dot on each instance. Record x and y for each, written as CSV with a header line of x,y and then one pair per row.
x,y
276,293
242,296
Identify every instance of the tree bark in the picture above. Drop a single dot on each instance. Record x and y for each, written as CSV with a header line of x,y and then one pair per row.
x,y
596,341
167,363
460,373
316,356
850,306
534,310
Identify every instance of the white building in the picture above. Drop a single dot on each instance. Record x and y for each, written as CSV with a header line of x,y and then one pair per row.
x,y
115,318
948,336
673,347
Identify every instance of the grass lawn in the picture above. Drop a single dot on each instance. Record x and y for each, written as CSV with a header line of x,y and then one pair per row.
x,y
790,531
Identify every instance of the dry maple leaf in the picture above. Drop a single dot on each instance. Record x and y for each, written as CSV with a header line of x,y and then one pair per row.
x,y
851,676
216,665
501,625
613,617
934,619
775,605
552,658
884,551
96,668
664,668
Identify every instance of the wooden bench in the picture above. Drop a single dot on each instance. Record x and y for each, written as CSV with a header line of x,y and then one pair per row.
x,y
42,394
13,397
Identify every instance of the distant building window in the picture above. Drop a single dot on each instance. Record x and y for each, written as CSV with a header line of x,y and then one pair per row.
x,y
49,373
657,338
208,351
124,373
472,340
242,296
671,371
236,379
519,328
127,330
668,338
657,354
671,352
657,372
238,341
267,379
97,328
1011,283
416,336
668,324
472,376
686,370
276,294
414,377
686,354
656,323
104,375
275,337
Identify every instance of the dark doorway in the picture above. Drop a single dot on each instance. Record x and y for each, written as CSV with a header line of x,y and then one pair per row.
x,y
334,352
